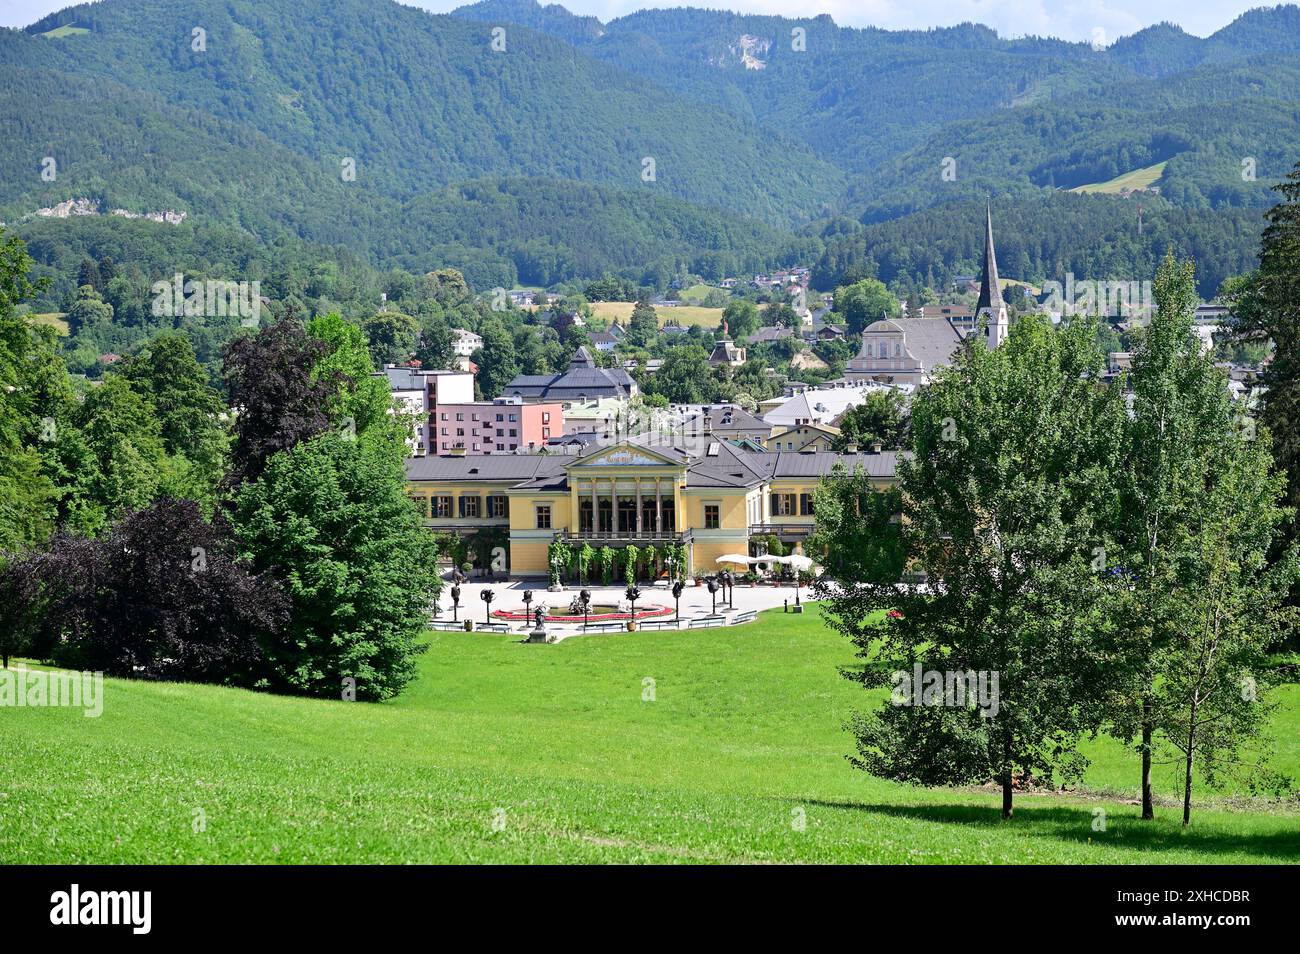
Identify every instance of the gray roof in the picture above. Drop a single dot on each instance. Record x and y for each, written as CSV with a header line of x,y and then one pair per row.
x,y
514,467
819,464
404,379
932,341
770,333
651,442
724,419
582,379
729,467
725,466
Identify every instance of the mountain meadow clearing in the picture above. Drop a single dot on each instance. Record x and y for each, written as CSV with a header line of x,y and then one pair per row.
x,y
710,746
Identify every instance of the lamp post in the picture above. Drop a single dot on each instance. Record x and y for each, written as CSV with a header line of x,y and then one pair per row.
x,y
455,602
633,594
796,590
729,581
584,597
487,596
528,599
713,591
678,586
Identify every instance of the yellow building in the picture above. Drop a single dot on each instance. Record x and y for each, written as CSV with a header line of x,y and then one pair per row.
x,y
803,437
711,499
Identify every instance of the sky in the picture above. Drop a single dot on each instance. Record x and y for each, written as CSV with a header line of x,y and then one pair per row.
x,y
1101,21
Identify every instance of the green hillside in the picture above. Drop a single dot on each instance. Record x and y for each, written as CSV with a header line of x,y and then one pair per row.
x,y
525,166
555,746
890,105
1128,181
1044,236
419,101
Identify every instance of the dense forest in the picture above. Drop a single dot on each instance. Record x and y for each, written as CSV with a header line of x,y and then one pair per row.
x,y
416,101
888,106
318,167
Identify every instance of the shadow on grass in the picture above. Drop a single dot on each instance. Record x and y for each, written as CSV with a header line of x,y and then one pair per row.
x,y
1125,831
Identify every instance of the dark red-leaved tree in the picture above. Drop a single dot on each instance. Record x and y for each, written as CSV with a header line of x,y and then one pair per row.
x,y
163,596
276,401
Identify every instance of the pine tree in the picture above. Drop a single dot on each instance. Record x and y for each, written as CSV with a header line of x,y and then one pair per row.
x,y
1267,308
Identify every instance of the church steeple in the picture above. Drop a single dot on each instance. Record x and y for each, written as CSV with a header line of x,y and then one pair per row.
x,y
991,312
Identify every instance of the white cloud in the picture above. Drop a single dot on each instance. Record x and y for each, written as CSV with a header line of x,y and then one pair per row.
x,y
1069,19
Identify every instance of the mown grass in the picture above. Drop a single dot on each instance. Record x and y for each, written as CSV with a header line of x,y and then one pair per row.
x,y
58,33
1134,179
514,753
55,319
685,315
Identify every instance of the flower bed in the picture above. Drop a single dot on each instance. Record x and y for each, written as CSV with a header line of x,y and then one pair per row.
x,y
646,611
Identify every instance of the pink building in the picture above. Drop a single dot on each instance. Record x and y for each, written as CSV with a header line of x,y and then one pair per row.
x,y
503,425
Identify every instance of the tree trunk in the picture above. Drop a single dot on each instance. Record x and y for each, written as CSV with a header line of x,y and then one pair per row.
x,y
1187,776
1148,807
1006,776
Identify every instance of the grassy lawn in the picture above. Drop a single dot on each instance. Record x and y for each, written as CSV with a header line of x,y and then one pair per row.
x,y
55,319
686,315
555,747
59,33
1136,179
698,292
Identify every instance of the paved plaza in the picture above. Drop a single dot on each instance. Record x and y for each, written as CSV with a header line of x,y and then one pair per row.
x,y
696,602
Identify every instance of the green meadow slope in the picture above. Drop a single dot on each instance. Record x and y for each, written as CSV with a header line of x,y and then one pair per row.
x,y
504,752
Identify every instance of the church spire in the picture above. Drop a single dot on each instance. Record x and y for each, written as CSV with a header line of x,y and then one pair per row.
x,y
990,290
991,311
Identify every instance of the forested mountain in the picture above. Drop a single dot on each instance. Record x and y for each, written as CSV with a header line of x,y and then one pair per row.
x,y
411,102
410,141
1016,115
1040,239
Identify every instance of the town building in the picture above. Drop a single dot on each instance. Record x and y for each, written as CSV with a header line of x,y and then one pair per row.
x,y
909,350
804,437
418,393
609,339
769,334
465,343
709,496
818,405
729,422
903,350
726,352
594,417
502,426
584,380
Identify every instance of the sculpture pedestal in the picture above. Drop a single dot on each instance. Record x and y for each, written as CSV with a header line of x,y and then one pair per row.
x,y
538,635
